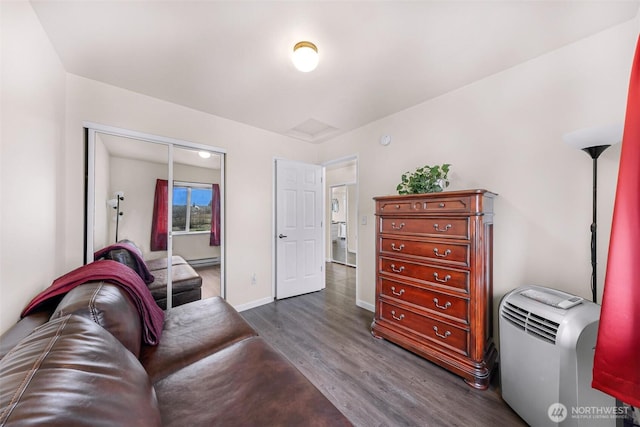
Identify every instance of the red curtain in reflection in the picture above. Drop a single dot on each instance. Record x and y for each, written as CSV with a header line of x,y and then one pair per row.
x,y
214,238
160,212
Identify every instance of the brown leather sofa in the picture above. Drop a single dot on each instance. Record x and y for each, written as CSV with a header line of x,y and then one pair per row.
x,y
82,362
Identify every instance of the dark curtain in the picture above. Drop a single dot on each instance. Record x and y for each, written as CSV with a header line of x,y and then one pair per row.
x,y
160,210
214,238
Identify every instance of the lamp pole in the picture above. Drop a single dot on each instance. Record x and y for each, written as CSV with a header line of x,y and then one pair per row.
x,y
594,141
118,213
594,152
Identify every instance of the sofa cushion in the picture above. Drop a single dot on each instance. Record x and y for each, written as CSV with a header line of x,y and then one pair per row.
x,y
72,372
185,286
184,278
161,263
109,306
246,384
192,332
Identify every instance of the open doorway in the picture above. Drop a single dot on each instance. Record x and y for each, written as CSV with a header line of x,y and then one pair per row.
x,y
343,224
342,211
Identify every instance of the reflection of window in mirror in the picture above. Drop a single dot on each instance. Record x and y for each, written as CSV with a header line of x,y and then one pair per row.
x,y
191,207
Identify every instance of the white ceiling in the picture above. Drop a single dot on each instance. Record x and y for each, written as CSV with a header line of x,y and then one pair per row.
x,y
129,148
232,58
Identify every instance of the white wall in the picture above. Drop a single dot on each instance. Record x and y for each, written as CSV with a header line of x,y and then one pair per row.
x,y
504,133
137,179
31,189
249,173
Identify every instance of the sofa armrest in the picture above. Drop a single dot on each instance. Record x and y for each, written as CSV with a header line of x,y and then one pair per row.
x,y
23,328
109,306
72,372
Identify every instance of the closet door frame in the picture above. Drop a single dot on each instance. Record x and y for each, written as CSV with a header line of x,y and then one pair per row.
x,y
90,131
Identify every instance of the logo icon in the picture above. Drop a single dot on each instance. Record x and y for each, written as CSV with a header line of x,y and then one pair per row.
x,y
557,412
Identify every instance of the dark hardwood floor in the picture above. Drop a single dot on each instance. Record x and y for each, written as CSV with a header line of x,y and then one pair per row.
x,y
373,382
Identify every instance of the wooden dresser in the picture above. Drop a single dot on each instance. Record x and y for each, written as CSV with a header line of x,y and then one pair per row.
x,y
434,279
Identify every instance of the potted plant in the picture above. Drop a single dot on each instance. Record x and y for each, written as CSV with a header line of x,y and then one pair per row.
x,y
425,179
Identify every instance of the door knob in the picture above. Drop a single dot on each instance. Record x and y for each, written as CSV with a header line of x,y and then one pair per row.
x,y
282,236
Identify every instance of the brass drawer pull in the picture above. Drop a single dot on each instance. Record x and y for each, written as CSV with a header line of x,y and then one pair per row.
x,y
442,307
397,206
397,270
438,279
446,333
442,230
438,254
441,205
393,291
397,227
393,314
398,249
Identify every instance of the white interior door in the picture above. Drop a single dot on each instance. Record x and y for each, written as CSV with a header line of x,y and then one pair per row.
x,y
299,229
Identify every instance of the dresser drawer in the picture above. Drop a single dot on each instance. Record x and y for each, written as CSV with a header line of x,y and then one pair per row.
x,y
441,251
421,205
439,276
442,304
433,227
437,332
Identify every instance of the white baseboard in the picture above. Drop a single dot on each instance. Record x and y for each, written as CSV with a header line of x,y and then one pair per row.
x,y
253,304
366,306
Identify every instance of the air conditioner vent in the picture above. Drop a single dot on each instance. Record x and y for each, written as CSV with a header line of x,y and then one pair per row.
x,y
515,315
533,324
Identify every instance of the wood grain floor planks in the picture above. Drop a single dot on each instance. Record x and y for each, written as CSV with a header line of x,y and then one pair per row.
x,y
373,382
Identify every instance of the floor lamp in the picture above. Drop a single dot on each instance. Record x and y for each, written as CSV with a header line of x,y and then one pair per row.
x,y
115,204
594,141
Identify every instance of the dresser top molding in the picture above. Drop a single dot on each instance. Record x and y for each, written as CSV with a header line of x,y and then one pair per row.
x,y
440,194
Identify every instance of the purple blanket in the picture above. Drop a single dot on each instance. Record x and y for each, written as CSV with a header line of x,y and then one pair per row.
x,y
140,265
118,274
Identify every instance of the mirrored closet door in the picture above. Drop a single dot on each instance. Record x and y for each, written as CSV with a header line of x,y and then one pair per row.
x,y
166,197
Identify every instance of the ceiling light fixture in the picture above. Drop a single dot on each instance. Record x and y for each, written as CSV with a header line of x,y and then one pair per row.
x,y
305,56
204,154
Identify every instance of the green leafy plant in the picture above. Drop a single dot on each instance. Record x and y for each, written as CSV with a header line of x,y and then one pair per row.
x,y
426,179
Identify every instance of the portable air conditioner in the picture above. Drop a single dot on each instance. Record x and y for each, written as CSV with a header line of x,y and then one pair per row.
x,y
547,342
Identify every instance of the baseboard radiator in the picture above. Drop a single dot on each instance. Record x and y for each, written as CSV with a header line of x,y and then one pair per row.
x,y
204,262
